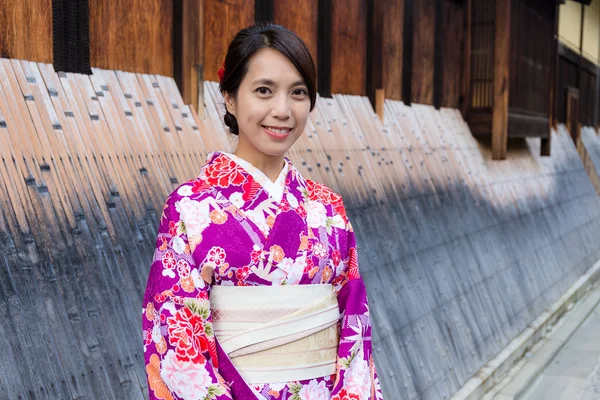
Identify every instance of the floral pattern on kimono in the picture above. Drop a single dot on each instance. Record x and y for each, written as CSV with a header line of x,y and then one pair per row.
x,y
225,228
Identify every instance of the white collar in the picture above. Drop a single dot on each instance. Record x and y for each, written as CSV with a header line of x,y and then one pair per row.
x,y
274,189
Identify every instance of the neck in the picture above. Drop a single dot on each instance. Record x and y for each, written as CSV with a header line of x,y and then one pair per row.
x,y
269,165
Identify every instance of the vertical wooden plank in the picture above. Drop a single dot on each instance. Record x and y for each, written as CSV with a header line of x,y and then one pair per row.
x,y
301,18
26,30
380,103
501,79
546,143
374,61
263,11
349,46
189,52
407,51
116,26
324,44
222,20
392,42
438,55
423,52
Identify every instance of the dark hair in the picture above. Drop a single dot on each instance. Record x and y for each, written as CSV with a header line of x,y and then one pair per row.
x,y
257,37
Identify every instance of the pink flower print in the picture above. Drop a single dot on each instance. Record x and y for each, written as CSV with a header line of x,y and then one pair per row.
x,y
189,380
320,250
183,268
216,255
314,391
242,273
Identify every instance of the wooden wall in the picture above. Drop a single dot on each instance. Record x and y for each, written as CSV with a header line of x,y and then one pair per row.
x,y
453,53
132,35
393,31
26,30
349,46
222,20
138,36
423,51
531,56
300,17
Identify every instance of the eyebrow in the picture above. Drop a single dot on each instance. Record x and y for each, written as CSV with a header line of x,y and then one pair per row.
x,y
269,82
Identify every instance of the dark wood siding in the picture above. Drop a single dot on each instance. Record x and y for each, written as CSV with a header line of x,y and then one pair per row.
x,y
132,35
222,20
349,46
26,30
423,51
531,56
393,30
453,52
300,17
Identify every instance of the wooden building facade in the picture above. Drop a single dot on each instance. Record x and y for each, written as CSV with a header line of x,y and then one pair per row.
x,y
499,61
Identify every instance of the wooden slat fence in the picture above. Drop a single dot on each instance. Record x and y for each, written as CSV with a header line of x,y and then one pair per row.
x,y
459,253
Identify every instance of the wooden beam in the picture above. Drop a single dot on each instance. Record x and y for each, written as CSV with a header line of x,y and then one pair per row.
x,y
374,70
263,11
552,80
324,48
501,79
580,66
380,103
465,97
438,72
71,36
407,49
188,19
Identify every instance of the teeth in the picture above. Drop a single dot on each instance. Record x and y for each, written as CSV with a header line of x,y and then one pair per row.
x,y
280,131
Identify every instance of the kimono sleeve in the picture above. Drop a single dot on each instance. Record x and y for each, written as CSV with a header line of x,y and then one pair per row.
x,y
179,345
356,377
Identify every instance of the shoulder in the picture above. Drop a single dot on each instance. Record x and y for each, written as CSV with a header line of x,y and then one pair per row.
x,y
320,193
188,194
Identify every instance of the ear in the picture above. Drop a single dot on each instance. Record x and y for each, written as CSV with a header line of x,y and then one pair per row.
x,y
229,103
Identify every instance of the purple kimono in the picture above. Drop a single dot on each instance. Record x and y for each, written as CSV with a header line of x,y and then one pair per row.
x,y
233,226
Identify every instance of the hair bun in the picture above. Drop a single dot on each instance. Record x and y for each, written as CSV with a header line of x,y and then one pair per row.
x,y
231,122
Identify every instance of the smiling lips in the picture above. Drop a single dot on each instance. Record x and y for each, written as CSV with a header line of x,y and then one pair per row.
x,y
277,132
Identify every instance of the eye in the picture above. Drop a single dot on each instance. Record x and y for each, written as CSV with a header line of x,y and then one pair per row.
x,y
300,92
263,90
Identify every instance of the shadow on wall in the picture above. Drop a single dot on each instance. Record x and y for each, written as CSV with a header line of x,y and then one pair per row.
x,y
466,270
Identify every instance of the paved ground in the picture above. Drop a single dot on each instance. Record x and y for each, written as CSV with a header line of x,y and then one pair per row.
x,y
574,372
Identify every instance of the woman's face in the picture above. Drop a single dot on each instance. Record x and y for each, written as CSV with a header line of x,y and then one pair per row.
x,y
271,105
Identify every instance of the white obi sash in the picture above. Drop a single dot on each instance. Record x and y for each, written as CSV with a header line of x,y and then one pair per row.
x,y
277,333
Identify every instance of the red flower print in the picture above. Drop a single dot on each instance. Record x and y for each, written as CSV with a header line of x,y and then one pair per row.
x,y
168,260
223,172
200,185
216,255
172,228
301,211
255,255
344,395
284,205
202,295
242,273
319,192
186,332
353,265
338,207
336,257
251,188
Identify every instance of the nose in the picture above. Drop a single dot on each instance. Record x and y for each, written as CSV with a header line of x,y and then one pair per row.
x,y
281,107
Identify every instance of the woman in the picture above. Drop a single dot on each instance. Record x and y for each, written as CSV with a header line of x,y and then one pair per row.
x,y
254,291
